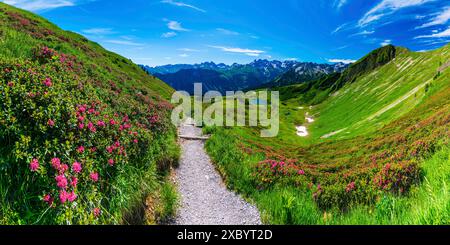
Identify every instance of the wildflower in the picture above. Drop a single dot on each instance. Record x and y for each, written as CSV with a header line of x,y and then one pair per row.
x,y
50,123
71,196
94,176
47,82
101,123
63,168
74,181
112,122
301,172
80,118
91,111
80,149
135,141
111,162
34,165
56,163
91,127
81,108
48,199
76,167
96,212
10,84
61,181
109,149
350,187
63,196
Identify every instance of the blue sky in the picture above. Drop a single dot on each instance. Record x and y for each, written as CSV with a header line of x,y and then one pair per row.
x,y
157,32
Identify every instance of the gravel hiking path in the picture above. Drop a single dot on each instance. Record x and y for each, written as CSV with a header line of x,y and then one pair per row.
x,y
205,200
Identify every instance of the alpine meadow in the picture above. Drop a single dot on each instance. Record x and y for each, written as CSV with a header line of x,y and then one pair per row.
x,y
357,94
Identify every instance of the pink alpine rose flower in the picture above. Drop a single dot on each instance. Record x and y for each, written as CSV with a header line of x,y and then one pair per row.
x,y
34,165
47,82
111,162
50,123
61,181
80,149
56,163
74,181
96,212
63,196
76,167
94,176
71,196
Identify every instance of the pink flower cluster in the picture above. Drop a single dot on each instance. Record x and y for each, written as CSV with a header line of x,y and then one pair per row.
x,y
47,82
34,165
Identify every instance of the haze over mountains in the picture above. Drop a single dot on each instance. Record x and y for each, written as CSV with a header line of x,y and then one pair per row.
x,y
259,73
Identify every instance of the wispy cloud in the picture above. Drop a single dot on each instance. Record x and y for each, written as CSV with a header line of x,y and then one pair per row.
x,y
345,61
188,50
184,55
169,34
36,5
386,42
441,34
98,31
176,26
439,19
249,52
362,33
339,3
181,4
339,28
227,32
124,42
387,7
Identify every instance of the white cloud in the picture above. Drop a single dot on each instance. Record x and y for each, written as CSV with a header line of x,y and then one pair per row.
x,y
345,61
339,28
98,31
387,7
386,42
439,19
362,33
169,34
181,4
176,26
249,52
188,50
124,42
291,59
227,32
441,34
36,5
339,3
184,55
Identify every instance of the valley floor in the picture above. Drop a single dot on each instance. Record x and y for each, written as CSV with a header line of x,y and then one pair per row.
x,y
204,197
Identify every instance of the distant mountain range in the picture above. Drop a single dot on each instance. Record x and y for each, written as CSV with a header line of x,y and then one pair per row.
x,y
259,73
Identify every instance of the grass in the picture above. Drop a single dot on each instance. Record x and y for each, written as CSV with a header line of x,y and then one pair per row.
x,y
411,135
427,203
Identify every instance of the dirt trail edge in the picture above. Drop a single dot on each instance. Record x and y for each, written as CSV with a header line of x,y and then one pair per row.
x,y
205,200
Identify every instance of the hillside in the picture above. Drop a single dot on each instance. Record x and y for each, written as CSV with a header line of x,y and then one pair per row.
x,y
315,91
221,77
86,134
376,151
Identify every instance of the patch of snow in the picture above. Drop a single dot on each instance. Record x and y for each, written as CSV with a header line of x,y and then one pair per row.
x,y
332,133
301,131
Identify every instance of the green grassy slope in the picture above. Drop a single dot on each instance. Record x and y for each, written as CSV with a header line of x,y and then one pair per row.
x,y
382,95
375,171
86,134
